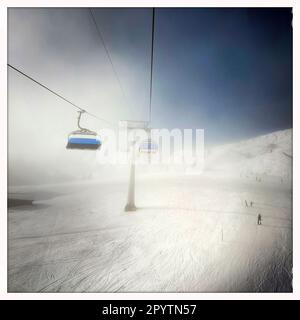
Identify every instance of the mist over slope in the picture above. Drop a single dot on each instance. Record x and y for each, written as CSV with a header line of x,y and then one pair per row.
x,y
268,155
191,232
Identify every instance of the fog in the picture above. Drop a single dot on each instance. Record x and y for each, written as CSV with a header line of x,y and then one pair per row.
x,y
61,49
225,226
202,79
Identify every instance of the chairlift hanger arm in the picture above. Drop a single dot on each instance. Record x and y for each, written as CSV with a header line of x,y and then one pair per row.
x,y
78,121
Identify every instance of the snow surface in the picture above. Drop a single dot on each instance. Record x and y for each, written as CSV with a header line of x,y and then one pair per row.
x,y
191,232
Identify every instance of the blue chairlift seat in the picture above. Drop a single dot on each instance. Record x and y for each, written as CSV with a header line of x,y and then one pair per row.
x,y
148,146
83,140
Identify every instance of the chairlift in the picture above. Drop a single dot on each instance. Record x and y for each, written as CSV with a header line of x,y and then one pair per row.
x,y
148,146
83,138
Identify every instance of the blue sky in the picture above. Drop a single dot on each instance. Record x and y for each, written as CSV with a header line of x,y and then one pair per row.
x,y
227,70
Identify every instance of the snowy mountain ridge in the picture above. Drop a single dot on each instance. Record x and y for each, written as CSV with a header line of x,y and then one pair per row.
x,y
268,155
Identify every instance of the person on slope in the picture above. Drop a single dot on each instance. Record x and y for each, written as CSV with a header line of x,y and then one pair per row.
x,y
259,219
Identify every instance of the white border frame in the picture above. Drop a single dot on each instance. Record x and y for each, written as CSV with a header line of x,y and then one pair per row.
x,y
3,148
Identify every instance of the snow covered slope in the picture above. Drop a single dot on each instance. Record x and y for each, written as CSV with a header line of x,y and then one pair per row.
x,y
268,155
190,233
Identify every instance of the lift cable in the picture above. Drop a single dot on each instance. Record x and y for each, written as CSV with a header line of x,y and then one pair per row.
x,y
60,96
107,52
151,70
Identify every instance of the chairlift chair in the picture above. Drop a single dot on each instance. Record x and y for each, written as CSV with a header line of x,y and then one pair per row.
x,y
83,138
148,146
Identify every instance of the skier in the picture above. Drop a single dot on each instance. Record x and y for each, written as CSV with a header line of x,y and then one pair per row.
x,y
251,203
259,219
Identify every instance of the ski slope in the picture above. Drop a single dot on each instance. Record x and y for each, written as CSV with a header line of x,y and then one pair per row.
x,y
191,232
266,156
